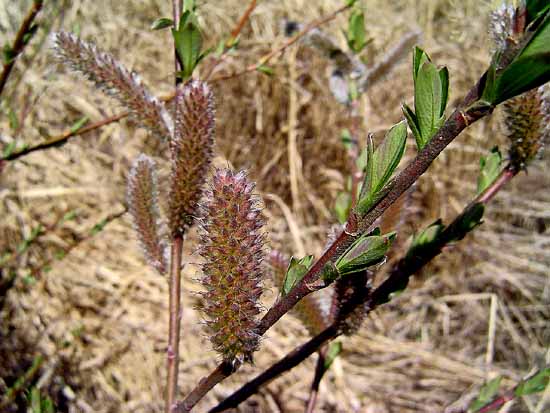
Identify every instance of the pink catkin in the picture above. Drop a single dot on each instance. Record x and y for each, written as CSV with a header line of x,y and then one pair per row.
x,y
233,250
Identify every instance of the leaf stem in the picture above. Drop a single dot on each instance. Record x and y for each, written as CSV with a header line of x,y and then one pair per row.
x,y
20,42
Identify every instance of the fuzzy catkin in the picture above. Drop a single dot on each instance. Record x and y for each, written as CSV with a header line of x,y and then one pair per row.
x,y
191,152
232,245
142,199
115,80
526,119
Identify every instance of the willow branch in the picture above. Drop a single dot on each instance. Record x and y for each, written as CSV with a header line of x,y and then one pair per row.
x,y
400,274
20,42
463,116
174,302
277,51
320,371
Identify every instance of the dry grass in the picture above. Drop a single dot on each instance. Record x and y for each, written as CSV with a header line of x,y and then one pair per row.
x,y
100,315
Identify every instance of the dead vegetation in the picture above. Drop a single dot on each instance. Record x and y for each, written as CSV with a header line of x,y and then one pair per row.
x,y
99,315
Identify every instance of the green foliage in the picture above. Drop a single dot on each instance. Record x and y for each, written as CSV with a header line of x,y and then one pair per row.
x,y
188,42
40,404
426,239
297,268
529,67
162,23
266,70
357,35
490,166
535,384
486,394
381,165
79,123
334,349
342,206
431,91
367,251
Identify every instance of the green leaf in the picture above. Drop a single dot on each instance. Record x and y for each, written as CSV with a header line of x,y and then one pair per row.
x,y
347,139
79,123
333,351
381,165
528,70
413,124
356,35
486,394
97,228
342,206
8,54
13,121
365,252
350,3
30,33
188,43
428,100
535,8
295,272
490,166
425,239
69,216
9,149
535,384
470,219
188,5
419,57
266,70
162,23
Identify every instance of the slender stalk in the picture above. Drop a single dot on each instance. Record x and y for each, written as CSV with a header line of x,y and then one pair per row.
x,y
20,41
320,371
175,311
225,369
277,51
400,273
174,324
22,383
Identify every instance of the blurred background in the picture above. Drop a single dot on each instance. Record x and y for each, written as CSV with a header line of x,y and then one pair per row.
x,y
79,303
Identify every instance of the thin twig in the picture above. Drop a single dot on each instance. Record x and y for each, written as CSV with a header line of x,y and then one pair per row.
x,y
175,311
399,275
234,35
275,52
20,42
320,371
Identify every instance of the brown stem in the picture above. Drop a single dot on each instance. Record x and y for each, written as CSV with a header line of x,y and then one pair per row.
x,y
399,275
275,52
20,42
172,353
320,371
225,369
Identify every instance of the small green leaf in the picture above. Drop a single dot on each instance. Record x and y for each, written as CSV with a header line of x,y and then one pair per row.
x,y
8,54
333,351
342,206
365,252
486,394
350,3
162,23
30,33
419,57
535,384
381,165
188,42
266,70
428,99
470,219
490,166
97,228
9,149
357,35
69,216
295,272
413,124
347,139
188,5
79,123
425,239
13,121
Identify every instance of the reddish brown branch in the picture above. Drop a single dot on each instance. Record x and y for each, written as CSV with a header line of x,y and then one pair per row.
x,y
320,371
277,51
20,42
